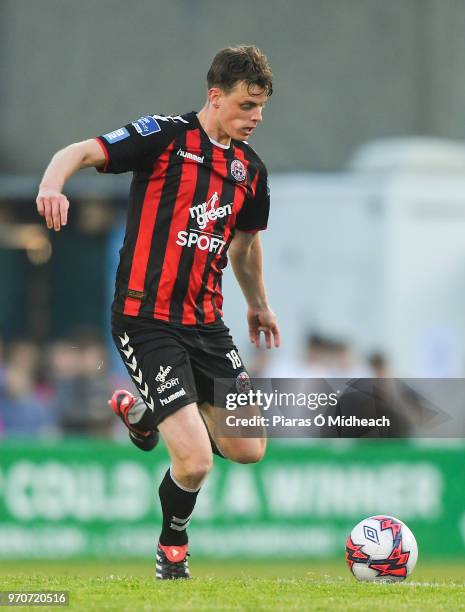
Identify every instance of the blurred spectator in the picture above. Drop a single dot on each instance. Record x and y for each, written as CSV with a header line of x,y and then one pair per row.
x,y
310,364
379,365
80,380
317,357
344,361
2,368
2,385
258,363
322,357
24,410
24,354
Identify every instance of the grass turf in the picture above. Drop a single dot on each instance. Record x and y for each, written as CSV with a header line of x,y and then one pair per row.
x,y
225,585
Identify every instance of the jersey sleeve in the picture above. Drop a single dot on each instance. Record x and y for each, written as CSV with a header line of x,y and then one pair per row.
x,y
137,145
253,215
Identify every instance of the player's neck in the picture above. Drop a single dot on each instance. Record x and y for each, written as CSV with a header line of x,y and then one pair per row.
x,y
211,127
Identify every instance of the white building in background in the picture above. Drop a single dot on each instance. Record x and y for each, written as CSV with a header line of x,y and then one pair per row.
x,y
375,256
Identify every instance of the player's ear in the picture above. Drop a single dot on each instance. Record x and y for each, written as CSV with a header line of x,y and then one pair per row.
x,y
214,96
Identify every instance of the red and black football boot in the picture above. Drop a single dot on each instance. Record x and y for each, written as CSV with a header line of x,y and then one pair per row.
x,y
121,403
172,562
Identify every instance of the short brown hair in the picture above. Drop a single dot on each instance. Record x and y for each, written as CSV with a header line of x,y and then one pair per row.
x,y
243,63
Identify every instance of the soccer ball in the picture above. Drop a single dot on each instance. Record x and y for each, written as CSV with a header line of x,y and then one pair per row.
x,y
381,549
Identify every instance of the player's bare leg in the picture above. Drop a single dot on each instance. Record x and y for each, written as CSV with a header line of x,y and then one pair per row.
x,y
240,450
188,444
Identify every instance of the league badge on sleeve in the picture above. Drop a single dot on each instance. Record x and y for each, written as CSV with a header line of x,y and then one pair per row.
x,y
116,135
147,125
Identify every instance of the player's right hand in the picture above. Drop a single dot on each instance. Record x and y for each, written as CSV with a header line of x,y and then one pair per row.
x,y
52,205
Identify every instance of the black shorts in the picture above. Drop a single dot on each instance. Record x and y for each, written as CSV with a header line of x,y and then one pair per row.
x,y
175,365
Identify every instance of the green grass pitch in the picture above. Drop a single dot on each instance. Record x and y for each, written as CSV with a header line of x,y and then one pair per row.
x,y
226,585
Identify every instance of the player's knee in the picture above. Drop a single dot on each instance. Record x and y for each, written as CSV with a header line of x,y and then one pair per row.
x,y
248,453
251,456
193,471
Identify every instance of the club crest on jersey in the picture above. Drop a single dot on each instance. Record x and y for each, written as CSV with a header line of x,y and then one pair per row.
x,y
243,384
147,125
238,170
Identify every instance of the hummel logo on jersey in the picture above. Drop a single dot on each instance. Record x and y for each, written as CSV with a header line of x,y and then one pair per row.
x,y
207,212
192,156
163,373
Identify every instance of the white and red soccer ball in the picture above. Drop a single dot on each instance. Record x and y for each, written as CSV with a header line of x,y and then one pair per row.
x,y
381,549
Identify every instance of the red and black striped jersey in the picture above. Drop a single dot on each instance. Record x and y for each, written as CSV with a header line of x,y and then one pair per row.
x,y
187,197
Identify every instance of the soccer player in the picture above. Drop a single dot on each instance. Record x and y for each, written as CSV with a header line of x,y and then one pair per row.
x,y
199,192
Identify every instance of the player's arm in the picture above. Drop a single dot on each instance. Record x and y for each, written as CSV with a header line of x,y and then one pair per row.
x,y
245,253
51,202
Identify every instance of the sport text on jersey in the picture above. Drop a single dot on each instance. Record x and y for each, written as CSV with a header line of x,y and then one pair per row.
x,y
205,242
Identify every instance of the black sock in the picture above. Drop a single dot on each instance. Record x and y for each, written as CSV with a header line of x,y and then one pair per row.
x,y
148,421
177,505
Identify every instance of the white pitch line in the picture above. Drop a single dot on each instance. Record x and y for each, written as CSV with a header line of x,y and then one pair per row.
x,y
450,585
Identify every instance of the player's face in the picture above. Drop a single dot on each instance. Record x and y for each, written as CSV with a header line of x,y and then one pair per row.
x,y
240,110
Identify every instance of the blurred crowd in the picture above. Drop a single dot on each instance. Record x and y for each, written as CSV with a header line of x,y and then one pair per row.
x,y
62,388
58,389
321,356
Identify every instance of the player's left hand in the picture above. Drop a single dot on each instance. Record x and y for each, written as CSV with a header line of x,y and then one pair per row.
x,y
263,321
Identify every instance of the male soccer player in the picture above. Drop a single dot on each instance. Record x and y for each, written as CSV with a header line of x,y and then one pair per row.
x,y
199,191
